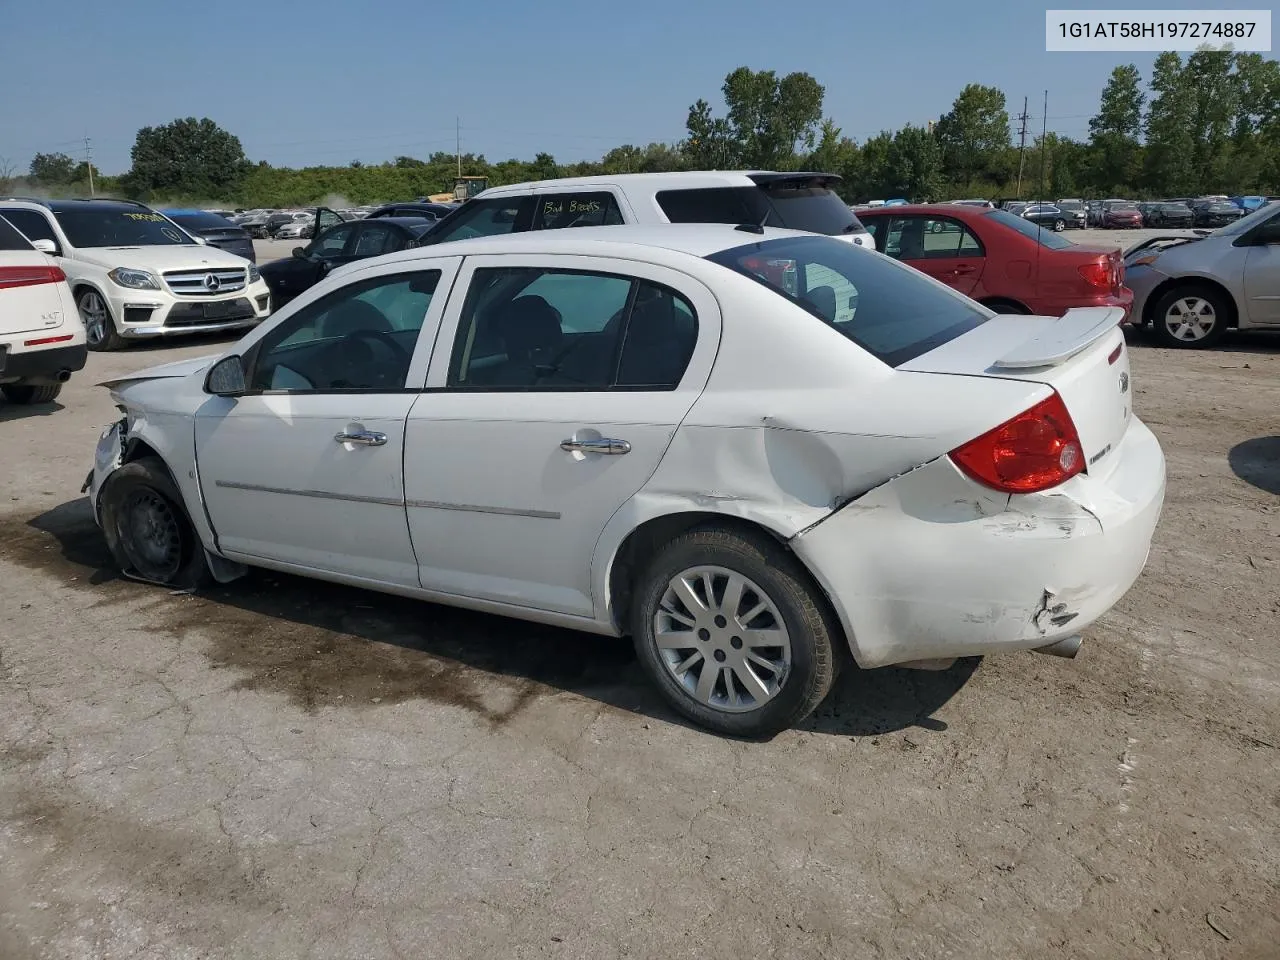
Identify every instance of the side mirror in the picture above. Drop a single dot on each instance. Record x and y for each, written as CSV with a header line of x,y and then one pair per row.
x,y
300,252
47,246
226,378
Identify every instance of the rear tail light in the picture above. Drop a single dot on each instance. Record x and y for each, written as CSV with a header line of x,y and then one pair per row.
x,y
1034,451
1097,274
29,276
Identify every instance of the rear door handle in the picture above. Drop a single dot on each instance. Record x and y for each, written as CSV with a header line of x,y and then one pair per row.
x,y
603,445
963,269
365,438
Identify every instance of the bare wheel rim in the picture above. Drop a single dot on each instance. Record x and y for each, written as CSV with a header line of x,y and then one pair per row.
x,y
722,639
1190,319
94,314
151,534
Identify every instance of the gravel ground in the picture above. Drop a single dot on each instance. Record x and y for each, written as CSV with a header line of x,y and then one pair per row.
x,y
283,769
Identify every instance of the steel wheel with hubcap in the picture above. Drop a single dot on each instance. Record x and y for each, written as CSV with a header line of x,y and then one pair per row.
x,y
99,329
734,633
1190,317
147,528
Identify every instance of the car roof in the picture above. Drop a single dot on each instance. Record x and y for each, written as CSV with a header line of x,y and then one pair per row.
x,y
671,180
941,209
693,239
96,203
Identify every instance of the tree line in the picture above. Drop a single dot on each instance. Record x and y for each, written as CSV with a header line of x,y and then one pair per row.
x,y
1207,123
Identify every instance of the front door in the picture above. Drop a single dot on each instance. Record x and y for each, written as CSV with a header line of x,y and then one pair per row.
x,y
305,468
555,389
1262,274
939,246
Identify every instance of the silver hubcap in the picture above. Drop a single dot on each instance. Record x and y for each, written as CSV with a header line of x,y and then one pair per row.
x,y
1190,318
722,639
94,314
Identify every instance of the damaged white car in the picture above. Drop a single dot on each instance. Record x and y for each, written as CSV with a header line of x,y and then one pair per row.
x,y
749,449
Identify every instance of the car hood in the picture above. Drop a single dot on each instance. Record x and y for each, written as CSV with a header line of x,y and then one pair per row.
x,y
190,256
164,371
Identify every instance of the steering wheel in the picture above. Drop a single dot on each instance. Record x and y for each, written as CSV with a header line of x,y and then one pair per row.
x,y
342,347
379,336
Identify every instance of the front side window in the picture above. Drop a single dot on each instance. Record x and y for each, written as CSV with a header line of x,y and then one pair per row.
x,y
36,226
484,218
360,337
554,211
887,309
332,243
375,239
545,329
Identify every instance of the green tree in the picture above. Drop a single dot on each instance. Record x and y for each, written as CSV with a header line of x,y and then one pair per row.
x,y
623,159
872,181
913,164
1115,129
973,133
543,167
710,144
1215,97
52,168
1168,164
8,174
188,157
769,118
1256,135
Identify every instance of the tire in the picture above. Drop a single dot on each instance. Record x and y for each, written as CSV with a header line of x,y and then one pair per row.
x,y
784,605
26,393
147,528
1059,226
99,327
1005,306
1202,303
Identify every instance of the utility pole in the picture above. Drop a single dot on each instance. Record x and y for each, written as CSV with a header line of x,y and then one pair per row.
x,y
1022,143
88,160
458,121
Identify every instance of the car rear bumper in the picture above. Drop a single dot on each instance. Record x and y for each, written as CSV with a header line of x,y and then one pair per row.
x,y
932,565
42,366
1141,281
1057,307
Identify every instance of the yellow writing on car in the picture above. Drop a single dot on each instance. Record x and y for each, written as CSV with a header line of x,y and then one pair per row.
x,y
148,217
584,206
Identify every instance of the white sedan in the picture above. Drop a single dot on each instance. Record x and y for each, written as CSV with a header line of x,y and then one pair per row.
x,y
752,450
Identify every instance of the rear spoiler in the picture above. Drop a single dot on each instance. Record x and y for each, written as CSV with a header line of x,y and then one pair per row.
x,y
1073,332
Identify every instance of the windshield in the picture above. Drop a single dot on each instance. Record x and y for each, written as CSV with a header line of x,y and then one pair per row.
x,y
1070,205
112,227
1046,237
885,307
201,221
1247,223
814,209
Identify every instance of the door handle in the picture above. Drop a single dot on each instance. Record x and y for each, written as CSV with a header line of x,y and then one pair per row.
x,y
962,269
604,445
365,438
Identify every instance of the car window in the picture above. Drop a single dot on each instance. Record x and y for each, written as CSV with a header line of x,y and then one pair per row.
x,y
119,227
940,239
798,206
359,337
375,239
1046,237
553,211
331,244
36,226
896,315
484,218
875,226
545,329
10,238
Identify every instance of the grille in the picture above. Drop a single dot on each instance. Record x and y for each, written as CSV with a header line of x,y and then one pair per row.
x,y
194,283
193,314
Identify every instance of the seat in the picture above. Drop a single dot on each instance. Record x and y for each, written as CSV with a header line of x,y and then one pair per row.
x,y
823,300
353,316
659,343
911,241
529,329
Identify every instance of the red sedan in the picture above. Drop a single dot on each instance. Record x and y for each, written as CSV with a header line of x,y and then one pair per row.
x,y
1005,262
1122,216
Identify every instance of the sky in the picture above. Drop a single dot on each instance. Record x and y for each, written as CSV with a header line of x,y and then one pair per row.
x,y
326,83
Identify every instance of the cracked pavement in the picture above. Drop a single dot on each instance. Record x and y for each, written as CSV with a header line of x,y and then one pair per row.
x,y
280,768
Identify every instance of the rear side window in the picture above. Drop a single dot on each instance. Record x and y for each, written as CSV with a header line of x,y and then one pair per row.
x,y
11,239
554,211
886,308
815,209
484,218
34,225
1028,228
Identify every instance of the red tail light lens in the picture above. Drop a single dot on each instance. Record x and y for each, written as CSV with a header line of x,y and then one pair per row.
x,y
1034,451
29,276
1097,274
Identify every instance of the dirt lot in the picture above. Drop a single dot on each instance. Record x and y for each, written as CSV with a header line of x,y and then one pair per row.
x,y
281,769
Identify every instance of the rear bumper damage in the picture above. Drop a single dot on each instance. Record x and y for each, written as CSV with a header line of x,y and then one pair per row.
x,y
932,565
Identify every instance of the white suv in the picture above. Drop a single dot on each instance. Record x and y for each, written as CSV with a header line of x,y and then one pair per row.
x,y
135,273
41,338
800,201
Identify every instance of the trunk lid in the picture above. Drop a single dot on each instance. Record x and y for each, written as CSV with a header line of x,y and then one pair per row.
x,y
1081,355
31,299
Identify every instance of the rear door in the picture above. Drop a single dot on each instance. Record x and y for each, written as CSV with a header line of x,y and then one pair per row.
x,y
942,247
555,387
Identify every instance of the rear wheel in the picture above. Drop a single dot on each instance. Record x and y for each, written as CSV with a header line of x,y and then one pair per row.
x,y
1005,306
1191,316
25,393
1059,226
99,328
733,632
147,528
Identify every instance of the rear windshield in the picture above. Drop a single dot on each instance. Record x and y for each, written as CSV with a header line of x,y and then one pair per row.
x,y
11,239
814,209
1070,205
887,308
119,227
1030,229
201,221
